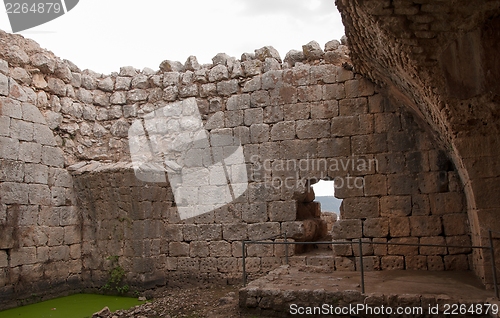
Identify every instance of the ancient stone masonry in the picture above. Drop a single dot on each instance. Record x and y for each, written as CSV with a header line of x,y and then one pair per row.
x,y
439,58
70,197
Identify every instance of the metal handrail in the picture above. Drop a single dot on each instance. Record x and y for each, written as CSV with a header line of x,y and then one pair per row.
x,y
360,244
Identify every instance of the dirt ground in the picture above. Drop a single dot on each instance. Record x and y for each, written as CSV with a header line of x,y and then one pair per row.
x,y
222,302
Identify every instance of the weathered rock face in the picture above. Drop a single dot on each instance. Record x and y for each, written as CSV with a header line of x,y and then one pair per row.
x,y
70,199
440,58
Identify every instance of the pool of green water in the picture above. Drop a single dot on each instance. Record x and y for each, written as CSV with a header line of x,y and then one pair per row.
x,y
75,306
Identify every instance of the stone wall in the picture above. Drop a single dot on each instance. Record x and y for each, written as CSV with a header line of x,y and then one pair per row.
x,y
439,58
68,183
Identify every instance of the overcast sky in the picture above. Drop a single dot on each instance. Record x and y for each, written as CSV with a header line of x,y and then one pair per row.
x,y
103,35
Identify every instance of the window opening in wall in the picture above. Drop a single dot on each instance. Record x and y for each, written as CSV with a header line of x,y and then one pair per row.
x,y
324,191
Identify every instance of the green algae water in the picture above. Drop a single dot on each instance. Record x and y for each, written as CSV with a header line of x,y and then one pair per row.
x,y
75,306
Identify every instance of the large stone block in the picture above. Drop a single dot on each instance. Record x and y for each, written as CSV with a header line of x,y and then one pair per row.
x,y
234,231
309,93
462,240
456,263
435,263
392,262
347,229
259,231
296,111
260,250
447,202
178,249
369,144
360,207
254,213
399,226
416,262
283,130
430,250
307,129
455,224
353,106
344,264
324,110
273,114
229,265
280,211
376,227
259,133
375,184
23,256
14,193
379,249
359,87
401,184
9,148
393,206
220,249
30,152
298,149
425,225
403,249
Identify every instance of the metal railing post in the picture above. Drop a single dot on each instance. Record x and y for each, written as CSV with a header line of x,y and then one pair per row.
x,y
243,260
493,265
286,249
362,270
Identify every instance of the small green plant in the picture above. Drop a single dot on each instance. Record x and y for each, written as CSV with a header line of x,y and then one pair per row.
x,y
116,275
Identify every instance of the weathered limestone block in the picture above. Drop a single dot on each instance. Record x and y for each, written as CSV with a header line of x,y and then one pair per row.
x,y
233,118
252,67
347,229
376,227
319,128
416,262
238,102
369,144
259,133
342,249
253,116
312,51
456,262
425,225
39,194
272,79
230,265
324,110
434,240
309,93
358,87
178,249
220,249
14,193
392,263
282,211
273,114
210,232
403,249
462,240
360,207
435,263
254,212
394,206
344,264
399,226
367,248
353,106
445,203
234,231
227,88
4,262
379,249
23,256
259,231
260,250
